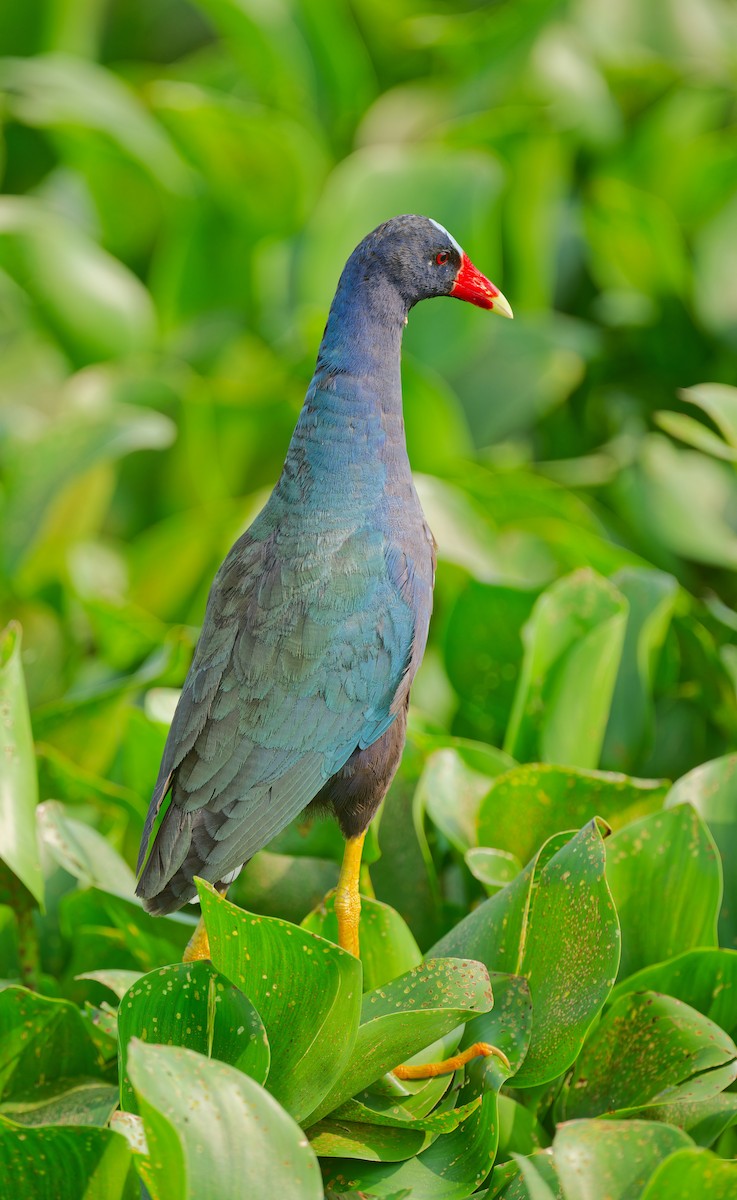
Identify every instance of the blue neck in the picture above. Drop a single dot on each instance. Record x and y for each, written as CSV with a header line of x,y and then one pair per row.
x,y
349,448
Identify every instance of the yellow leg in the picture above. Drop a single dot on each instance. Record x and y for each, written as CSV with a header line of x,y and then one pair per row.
x,y
198,945
347,898
449,1065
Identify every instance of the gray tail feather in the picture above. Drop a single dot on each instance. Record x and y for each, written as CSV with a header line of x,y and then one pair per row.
x,y
168,852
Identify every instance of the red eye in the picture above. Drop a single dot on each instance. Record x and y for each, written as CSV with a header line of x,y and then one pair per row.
x,y
442,258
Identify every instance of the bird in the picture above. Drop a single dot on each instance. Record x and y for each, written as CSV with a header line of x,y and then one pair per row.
x,y
318,618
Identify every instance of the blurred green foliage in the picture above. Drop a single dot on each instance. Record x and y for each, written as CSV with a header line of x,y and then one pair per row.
x,y
181,184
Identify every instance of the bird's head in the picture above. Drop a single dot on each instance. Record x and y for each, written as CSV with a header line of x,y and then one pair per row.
x,y
421,259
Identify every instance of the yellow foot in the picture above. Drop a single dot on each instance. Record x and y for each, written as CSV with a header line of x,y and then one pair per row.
x,y
198,945
449,1065
347,898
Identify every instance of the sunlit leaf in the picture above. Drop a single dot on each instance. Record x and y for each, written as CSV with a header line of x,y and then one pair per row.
x,y
18,784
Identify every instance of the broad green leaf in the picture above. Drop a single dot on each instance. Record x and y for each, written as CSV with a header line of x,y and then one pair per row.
x,y
306,991
136,940
534,1182
493,868
665,877
556,925
712,790
405,1016
65,1163
530,803
451,1168
695,433
573,646
649,1050
65,1102
117,980
18,785
284,885
387,946
689,1173
452,785
440,1120
718,401
83,852
192,1005
611,1158
532,1177
334,1137
56,91
483,652
42,1041
519,1131
214,1133
651,596
704,979
92,300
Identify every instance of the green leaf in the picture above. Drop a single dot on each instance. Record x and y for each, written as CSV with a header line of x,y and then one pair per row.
x,y
91,300
337,1138
116,979
649,1050
705,979
404,1017
689,1173
18,785
192,1005
42,1041
85,1102
555,924
452,785
494,868
137,941
212,1131
573,646
611,1158
665,877
530,803
387,946
306,990
694,433
66,1163
82,851
651,596
718,401
712,790
451,1168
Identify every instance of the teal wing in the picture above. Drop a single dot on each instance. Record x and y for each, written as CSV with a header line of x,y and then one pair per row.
x,y
300,660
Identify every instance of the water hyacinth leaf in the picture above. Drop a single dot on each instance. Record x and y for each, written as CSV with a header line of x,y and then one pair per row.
x,y
66,1163
387,946
192,1005
82,851
573,645
718,401
141,942
649,1049
334,1137
704,979
92,301
306,991
484,669
712,790
441,1120
85,1102
18,783
214,1132
532,1183
42,1041
404,1017
507,1026
116,979
494,868
694,433
689,1173
533,801
519,1130
651,596
452,1167
451,787
665,877
556,925
704,1120
284,885
612,1158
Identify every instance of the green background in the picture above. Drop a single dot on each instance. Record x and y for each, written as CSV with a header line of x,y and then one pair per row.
x,y
181,184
